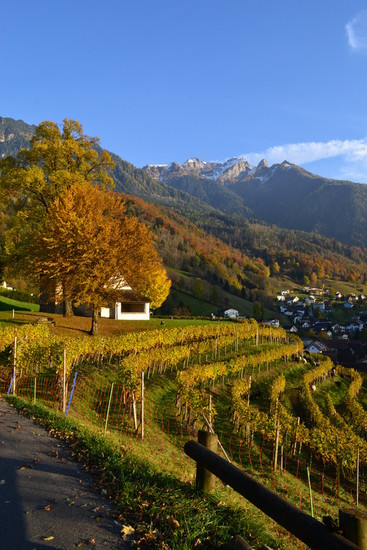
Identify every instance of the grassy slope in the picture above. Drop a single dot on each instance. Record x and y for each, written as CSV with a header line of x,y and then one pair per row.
x,y
80,326
152,480
7,304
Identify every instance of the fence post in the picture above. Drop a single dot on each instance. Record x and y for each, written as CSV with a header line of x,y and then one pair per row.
x,y
354,526
35,390
142,404
337,468
210,410
15,365
357,488
276,448
108,410
205,480
71,394
310,489
64,384
134,413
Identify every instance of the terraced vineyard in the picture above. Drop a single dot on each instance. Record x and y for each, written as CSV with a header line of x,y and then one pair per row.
x,y
278,412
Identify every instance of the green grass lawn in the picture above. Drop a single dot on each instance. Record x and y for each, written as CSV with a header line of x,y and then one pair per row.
x,y
7,304
346,287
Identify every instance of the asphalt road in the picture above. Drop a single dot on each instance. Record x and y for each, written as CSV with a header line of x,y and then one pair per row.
x,y
46,499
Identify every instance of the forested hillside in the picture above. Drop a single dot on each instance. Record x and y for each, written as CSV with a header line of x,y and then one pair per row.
x,y
199,242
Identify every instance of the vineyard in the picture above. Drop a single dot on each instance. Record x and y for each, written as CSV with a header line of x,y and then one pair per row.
x,y
294,421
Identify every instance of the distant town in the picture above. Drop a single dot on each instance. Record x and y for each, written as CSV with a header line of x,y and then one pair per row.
x,y
327,322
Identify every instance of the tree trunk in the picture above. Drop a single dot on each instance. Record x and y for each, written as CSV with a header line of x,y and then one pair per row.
x,y
67,308
94,329
67,305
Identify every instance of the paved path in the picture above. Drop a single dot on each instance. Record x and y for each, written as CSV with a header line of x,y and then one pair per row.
x,y
46,500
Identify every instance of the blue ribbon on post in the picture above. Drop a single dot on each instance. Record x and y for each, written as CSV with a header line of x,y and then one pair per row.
x,y
11,383
71,393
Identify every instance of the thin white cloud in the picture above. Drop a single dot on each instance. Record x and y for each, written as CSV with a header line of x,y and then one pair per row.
x,y
306,152
344,159
357,32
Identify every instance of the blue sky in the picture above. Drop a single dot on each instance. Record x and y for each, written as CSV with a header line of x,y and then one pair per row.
x,y
165,80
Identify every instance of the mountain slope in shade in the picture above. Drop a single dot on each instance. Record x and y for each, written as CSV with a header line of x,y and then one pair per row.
x,y
282,194
202,203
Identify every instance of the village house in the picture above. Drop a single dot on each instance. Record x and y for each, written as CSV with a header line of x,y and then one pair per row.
x,y
315,346
231,313
355,325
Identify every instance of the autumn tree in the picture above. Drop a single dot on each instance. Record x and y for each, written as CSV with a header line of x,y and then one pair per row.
x,y
90,247
56,159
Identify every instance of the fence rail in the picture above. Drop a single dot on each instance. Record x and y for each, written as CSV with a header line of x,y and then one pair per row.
x,y
90,403
302,525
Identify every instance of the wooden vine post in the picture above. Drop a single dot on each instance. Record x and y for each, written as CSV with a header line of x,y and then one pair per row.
x,y
276,448
14,364
108,409
357,488
210,409
134,413
337,468
142,404
64,384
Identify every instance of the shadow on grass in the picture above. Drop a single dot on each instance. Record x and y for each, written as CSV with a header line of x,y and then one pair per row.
x,y
166,509
10,307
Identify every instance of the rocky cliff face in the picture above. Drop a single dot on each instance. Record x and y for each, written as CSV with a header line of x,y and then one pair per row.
x,y
231,171
223,172
14,134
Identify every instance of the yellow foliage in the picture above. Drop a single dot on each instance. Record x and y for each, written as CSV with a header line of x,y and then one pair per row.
x,y
91,247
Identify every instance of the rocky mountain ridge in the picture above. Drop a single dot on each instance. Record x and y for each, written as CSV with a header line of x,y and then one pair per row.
x,y
233,170
283,194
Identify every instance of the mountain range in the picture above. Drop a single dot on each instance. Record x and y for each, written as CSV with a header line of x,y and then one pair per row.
x,y
233,224
282,194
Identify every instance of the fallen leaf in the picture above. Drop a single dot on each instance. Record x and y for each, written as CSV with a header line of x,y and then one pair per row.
x,y
173,522
47,508
97,508
48,538
127,530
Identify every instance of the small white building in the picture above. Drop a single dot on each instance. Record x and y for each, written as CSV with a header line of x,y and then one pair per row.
x,y
132,306
231,313
128,310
